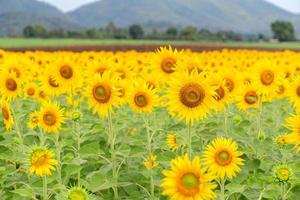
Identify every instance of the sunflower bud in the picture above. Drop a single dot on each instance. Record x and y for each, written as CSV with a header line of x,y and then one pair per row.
x,y
76,193
283,173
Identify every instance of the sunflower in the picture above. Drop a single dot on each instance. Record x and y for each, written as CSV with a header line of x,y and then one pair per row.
x,y
51,85
187,180
67,74
102,93
78,193
293,124
30,89
247,97
283,173
189,96
172,142
166,60
10,87
141,98
230,79
150,162
33,120
222,158
42,162
266,77
7,117
293,93
221,97
51,117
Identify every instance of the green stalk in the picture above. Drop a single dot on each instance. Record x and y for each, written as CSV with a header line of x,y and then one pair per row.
x,y
45,192
225,122
283,192
189,145
58,151
149,149
78,157
112,138
17,125
222,187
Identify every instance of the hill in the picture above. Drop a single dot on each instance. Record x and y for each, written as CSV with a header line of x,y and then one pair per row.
x,y
246,16
16,14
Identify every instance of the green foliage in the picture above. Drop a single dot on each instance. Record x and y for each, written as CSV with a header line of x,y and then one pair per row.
x,y
283,30
136,31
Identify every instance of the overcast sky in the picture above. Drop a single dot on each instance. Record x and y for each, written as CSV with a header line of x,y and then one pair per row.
x,y
67,5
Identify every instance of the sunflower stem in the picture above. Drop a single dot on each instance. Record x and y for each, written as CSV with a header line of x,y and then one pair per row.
x,y
58,151
17,125
189,140
283,192
222,187
225,122
149,148
112,139
45,192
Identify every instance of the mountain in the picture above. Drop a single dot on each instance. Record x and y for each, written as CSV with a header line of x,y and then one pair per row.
x,y
245,16
16,14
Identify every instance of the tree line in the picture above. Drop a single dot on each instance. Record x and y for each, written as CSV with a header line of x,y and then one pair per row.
x,y
282,31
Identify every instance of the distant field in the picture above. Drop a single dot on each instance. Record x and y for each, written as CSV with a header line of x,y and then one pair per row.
x,y
32,43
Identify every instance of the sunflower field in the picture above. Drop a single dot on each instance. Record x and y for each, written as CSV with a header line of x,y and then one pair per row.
x,y
168,124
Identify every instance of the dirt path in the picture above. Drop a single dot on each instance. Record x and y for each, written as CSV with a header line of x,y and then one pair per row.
x,y
140,48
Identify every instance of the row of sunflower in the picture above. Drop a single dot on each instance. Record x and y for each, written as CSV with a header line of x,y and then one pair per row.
x,y
201,124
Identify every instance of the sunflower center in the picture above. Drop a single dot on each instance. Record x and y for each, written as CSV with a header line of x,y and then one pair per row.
x,y
298,91
49,118
102,93
281,89
66,71
41,160
140,99
122,74
267,77
223,158
15,70
168,65
192,95
100,70
229,84
251,97
220,93
52,82
11,84
284,173
35,119
31,91
189,181
5,113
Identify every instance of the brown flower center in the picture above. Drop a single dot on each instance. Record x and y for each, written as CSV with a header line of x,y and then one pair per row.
x,y
16,71
189,184
11,84
251,97
140,99
223,158
66,71
191,95
267,77
168,65
52,82
220,93
5,113
49,118
229,84
102,93
298,91
30,91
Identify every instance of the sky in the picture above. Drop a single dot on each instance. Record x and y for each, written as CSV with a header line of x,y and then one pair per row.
x,y
67,5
